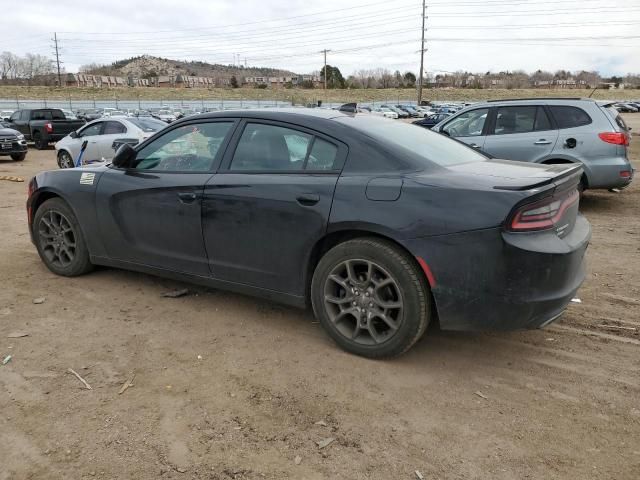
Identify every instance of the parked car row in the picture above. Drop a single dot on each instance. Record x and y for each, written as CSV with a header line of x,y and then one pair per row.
x,y
627,107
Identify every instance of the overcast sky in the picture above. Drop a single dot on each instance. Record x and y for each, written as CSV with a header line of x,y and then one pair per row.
x,y
474,35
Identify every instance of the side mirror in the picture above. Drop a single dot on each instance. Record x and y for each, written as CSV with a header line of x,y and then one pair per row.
x,y
124,157
73,134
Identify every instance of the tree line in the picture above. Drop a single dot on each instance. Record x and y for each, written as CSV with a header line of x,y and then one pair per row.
x,y
27,67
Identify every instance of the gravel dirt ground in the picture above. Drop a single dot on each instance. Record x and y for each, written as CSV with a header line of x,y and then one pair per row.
x,y
230,387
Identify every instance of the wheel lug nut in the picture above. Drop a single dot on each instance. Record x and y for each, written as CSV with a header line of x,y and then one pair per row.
x,y
355,303
371,304
367,294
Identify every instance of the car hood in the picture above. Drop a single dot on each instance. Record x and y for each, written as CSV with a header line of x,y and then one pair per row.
x,y
8,131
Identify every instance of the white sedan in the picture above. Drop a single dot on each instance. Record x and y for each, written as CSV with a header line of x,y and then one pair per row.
x,y
384,112
100,135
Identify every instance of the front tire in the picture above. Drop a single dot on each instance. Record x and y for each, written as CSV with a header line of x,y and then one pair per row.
x,y
65,160
371,298
59,239
18,157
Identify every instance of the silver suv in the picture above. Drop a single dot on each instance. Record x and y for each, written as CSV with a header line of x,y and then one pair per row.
x,y
549,130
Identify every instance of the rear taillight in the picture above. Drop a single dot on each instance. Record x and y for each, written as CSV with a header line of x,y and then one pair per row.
x,y
616,138
625,173
543,214
48,127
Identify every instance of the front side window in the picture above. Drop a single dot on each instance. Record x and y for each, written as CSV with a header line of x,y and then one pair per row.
x,y
111,128
189,148
468,124
15,116
268,148
91,130
569,117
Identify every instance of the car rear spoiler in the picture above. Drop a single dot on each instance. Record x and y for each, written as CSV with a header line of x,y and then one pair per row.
x,y
573,170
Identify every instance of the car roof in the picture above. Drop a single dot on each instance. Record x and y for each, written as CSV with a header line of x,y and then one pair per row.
x,y
275,113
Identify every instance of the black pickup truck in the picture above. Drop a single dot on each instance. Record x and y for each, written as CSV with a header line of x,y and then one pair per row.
x,y
43,125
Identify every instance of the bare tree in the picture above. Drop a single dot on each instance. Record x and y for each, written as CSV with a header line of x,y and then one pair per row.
x,y
8,63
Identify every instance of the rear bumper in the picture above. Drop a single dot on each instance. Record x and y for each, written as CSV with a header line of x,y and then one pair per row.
x,y
605,172
493,280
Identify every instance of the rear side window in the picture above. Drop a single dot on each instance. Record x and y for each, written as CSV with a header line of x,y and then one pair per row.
x,y
617,118
515,120
569,117
272,148
111,128
322,156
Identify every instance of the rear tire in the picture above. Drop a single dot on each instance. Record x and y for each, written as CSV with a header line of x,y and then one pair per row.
x,y
39,142
371,297
59,239
18,157
65,160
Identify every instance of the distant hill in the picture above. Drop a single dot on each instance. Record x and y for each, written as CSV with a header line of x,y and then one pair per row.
x,y
146,66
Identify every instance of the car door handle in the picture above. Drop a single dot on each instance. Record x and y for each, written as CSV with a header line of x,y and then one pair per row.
x,y
308,199
187,197
542,141
473,145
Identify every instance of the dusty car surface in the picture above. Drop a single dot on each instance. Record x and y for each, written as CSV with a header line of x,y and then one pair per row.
x,y
380,226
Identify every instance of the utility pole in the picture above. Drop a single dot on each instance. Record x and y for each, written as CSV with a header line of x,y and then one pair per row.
x,y
55,43
421,76
325,70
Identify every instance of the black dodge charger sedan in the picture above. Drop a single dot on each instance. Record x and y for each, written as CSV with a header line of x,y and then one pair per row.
x,y
380,226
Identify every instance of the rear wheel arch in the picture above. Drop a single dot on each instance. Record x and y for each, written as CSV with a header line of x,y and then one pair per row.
x,y
330,240
388,259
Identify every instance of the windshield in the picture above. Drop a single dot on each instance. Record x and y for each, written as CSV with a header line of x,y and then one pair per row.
x,y
422,144
148,124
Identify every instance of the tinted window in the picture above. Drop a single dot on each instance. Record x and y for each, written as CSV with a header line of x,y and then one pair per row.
x,y
15,116
468,124
91,130
190,148
515,120
617,118
420,144
569,117
111,128
47,115
148,124
542,120
268,147
322,156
